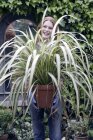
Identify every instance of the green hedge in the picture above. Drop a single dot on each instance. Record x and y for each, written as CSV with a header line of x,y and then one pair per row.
x,y
82,9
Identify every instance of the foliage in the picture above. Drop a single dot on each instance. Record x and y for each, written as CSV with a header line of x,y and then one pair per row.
x,y
90,134
5,119
78,127
58,61
82,9
22,128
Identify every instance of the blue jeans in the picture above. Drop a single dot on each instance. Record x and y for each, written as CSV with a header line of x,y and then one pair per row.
x,y
54,120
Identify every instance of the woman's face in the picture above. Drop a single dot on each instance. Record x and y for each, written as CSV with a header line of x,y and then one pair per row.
x,y
46,29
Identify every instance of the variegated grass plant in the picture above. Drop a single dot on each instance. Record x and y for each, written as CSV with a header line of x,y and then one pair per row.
x,y
33,61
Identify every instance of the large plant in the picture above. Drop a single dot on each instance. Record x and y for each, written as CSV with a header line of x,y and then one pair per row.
x,y
57,62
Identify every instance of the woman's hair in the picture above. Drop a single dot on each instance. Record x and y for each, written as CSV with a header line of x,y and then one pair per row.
x,y
10,33
48,18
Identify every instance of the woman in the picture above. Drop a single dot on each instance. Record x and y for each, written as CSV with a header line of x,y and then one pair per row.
x,y
37,114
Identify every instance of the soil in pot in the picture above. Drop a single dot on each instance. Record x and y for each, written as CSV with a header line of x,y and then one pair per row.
x,y
80,137
9,136
4,137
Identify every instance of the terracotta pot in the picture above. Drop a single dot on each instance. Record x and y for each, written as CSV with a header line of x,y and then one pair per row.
x,y
44,95
80,138
4,137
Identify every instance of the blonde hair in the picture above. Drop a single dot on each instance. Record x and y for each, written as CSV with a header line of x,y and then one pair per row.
x,y
51,19
48,18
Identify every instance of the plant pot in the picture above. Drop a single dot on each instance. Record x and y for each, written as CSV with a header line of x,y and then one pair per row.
x,y
4,137
44,95
9,136
80,137
90,138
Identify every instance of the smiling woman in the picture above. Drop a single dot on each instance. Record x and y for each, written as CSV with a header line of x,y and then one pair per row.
x,y
46,93
54,62
47,27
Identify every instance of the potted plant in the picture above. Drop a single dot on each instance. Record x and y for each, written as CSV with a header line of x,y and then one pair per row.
x,y
61,60
90,130
81,131
90,134
78,129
